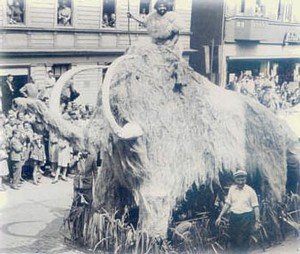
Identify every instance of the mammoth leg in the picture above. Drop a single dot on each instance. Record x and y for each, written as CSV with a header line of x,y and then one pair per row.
x,y
154,213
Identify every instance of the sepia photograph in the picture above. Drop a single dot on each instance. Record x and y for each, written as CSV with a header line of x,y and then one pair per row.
x,y
150,126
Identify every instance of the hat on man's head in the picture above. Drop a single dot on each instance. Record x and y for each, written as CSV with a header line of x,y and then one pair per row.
x,y
159,2
240,173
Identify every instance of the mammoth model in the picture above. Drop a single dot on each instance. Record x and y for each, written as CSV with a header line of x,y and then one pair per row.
x,y
157,141
160,128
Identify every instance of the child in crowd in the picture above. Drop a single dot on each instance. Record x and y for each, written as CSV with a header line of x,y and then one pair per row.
x,y
9,126
16,158
3,163
38,157
64,158
53,152
3,154
28,139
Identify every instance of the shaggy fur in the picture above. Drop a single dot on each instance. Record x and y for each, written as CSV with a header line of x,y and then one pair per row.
x,y
191,134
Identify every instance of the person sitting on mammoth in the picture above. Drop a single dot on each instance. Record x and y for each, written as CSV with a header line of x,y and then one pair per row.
x,y
163,26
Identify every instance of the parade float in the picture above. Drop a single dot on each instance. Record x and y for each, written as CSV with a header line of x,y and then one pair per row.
x,y
168,140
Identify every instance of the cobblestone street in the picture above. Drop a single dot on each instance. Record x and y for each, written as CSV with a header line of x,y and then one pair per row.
x,y
31,217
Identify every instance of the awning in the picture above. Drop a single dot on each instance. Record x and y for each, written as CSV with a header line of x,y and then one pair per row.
x,y
263,57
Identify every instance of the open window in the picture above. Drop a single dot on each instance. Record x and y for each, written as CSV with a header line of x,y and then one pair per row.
x,y
243,6
259,8
109,14
171,5
15,12
144,11
59,69
285,9
64,13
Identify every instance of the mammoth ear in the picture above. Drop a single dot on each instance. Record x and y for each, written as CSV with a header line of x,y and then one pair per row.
x,y
130,130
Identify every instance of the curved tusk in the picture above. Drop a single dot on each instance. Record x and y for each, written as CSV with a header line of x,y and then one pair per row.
x,y
130,130
54,102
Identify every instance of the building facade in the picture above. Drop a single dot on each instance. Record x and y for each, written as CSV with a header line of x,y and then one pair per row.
x,y
39,35
261,36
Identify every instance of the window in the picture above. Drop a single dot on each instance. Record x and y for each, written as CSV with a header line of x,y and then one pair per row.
x,y
15,11
284,10
243,5
109,14
59,69
64,13
288,11
259,24
259,9
171,5
240,24
144,11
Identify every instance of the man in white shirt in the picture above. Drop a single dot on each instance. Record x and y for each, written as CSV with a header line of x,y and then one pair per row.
x,y
30,90
49,84
243,204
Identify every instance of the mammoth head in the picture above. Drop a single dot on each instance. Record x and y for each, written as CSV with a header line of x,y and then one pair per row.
x,y
130,130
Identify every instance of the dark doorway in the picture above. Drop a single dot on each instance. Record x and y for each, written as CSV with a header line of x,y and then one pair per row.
x,y
285,69
21,77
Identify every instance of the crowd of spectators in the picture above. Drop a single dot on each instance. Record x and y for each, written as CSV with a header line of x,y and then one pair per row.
x,y
28,150
266,90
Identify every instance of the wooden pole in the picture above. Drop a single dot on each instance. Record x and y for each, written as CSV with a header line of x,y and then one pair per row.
x,y
212,58
128,23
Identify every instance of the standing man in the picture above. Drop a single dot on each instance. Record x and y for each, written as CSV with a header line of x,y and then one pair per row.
x,y
49,84
30,90
243,204
8,93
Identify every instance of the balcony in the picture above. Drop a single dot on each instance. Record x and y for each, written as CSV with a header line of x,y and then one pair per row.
x,y
249,29
260,30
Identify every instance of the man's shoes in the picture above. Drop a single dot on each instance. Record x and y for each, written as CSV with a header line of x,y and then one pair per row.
x,y
15,188
63,178
54,181
2,188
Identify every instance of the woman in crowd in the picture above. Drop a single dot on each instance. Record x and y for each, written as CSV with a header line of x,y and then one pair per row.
x,y
38,157
64,158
